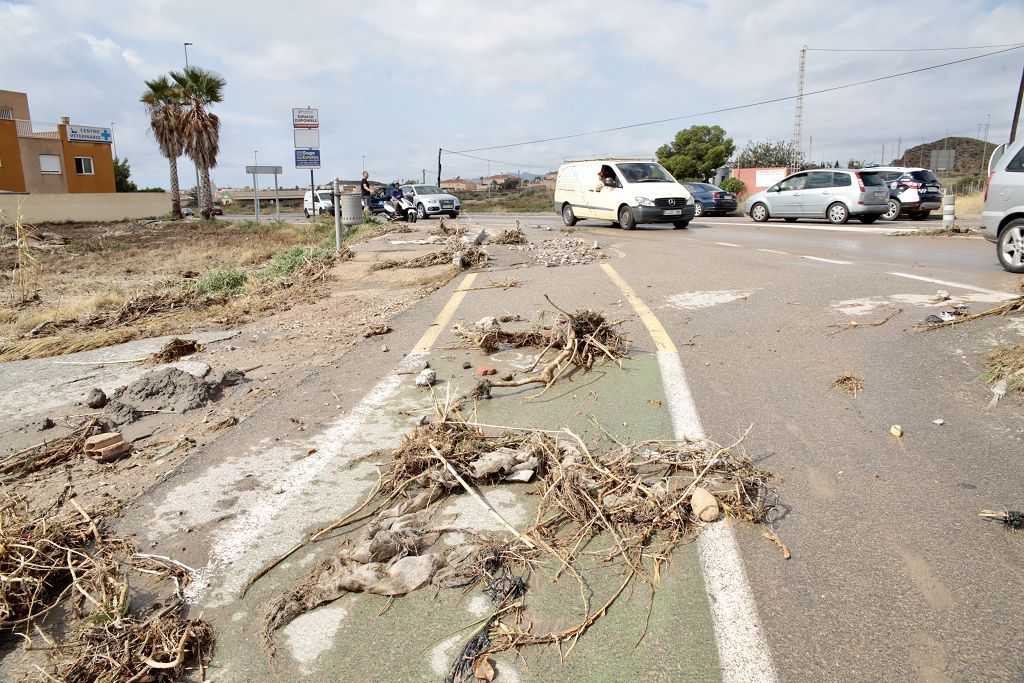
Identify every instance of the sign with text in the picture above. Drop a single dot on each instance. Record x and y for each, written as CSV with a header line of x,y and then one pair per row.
x,y
263,170
768,176
307,158
88,134
305,118
307,138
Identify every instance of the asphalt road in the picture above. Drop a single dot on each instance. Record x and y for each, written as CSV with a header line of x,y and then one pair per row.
x,y
893,575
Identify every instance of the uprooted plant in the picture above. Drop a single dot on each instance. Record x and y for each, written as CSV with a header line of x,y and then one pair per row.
x,y
469,256
62,558
1015,305
578,340
644,498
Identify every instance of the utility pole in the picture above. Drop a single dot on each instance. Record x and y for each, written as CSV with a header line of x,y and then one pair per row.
x,y
984,145
439,167
255,188
899,146
1016,110
424,176
881,159
798,119
810,149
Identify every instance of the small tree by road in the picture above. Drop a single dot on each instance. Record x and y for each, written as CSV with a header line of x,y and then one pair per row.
x,y
200,128
696,153
769,154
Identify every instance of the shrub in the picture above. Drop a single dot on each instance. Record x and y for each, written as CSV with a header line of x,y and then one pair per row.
x,y
223,281
261,227
288,261
734,185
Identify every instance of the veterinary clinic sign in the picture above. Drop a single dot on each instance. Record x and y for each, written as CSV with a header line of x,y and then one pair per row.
x,y
88,134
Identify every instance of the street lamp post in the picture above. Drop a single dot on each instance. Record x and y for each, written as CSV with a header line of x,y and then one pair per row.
x,y
186,54
255,187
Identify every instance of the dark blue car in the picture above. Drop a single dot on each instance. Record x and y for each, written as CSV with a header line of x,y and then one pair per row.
x,y
710,199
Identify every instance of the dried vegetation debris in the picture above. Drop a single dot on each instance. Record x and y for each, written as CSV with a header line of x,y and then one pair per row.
x,y
511,236
642,497
173,350
848,383
577,341
455,252
1006,362
62,558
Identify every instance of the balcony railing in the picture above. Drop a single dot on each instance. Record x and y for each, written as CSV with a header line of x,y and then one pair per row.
x,y
35,129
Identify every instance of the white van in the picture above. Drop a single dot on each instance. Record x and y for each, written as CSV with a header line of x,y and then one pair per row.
x,y
323,203
627,191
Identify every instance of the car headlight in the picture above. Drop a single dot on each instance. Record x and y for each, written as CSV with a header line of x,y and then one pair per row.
x,y
643,201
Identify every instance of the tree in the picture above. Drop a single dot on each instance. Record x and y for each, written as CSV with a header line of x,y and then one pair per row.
x,y
696,153
769,154
200,128
123,176
163,104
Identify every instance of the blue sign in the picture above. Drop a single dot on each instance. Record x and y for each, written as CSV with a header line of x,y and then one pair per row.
x,y
307,158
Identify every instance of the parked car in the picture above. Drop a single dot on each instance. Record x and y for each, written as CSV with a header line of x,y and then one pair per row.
x,y
626,191
322,203
187,211
835,194
431,200
710,199
914,191
216,210
1002,218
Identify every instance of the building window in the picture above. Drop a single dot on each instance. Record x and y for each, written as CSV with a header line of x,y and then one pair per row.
x,y
5,114
83,165
49,164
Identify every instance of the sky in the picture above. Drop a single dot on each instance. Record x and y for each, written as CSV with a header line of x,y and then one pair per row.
x,y
394,81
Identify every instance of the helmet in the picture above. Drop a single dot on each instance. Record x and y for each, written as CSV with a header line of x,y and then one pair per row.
x,y
394,183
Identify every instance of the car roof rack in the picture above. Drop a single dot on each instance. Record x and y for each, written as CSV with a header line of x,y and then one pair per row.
x,y
612,159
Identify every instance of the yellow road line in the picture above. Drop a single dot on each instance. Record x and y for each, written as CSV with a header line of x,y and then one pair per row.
x,y
443,318
661,339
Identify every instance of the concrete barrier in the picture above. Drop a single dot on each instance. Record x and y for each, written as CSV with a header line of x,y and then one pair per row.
x,y
38,208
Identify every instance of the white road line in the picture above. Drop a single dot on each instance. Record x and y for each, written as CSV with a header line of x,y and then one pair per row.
x,y
727,244
774,251
743,653
827,260
826,228
951,284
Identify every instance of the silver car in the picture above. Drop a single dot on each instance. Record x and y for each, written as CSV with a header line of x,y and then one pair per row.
x,y
835,194
430,200
1002,218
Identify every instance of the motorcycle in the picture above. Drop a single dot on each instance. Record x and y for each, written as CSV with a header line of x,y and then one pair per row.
x,y
404,211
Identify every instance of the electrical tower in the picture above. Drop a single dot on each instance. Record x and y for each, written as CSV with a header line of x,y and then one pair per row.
x,y
798,120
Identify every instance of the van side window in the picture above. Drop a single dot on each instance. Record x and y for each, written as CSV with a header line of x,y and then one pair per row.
x,y
1016,164
841,180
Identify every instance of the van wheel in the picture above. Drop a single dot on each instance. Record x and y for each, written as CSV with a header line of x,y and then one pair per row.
x,y
1010,246
626,219
838,213
893,210
759,212
568,217
305,212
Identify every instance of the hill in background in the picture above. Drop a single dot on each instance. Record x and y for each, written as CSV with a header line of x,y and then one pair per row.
x,y
966,159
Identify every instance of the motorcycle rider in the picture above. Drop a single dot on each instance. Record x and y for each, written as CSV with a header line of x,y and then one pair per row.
x,y
395,194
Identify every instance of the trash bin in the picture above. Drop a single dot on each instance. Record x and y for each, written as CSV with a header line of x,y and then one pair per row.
x,y
351,209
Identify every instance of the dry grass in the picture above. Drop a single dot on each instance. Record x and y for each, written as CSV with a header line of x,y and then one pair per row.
x,y
83,300
1006,361
848,383
970,203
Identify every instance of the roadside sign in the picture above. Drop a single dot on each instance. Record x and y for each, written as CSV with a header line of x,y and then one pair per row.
x,y
768,176
942,159
305,118
263,170
307,138
307,158
89,134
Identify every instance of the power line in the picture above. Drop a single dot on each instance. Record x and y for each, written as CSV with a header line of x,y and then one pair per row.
x,y
495,161
918,49
741,106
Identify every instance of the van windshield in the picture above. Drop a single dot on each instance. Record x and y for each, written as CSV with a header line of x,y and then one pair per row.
x,y
645,172
325,196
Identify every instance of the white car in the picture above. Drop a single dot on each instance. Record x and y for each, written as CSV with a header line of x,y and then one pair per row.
x,y
430,200
1002,218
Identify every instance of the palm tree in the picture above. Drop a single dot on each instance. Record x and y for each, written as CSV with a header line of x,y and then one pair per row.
x,y
200,128
163,103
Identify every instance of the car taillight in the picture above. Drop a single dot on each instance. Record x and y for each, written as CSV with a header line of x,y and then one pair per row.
x,y
716,195
911,183
860,181
987,183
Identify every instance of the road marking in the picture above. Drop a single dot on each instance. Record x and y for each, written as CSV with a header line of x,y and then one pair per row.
x,y
259,533
661,339
827,260
950,284
743,653
727,244
826,228
774,251
443,318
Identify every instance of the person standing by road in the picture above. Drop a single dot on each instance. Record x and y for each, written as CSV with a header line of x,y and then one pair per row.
x,y
364,190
